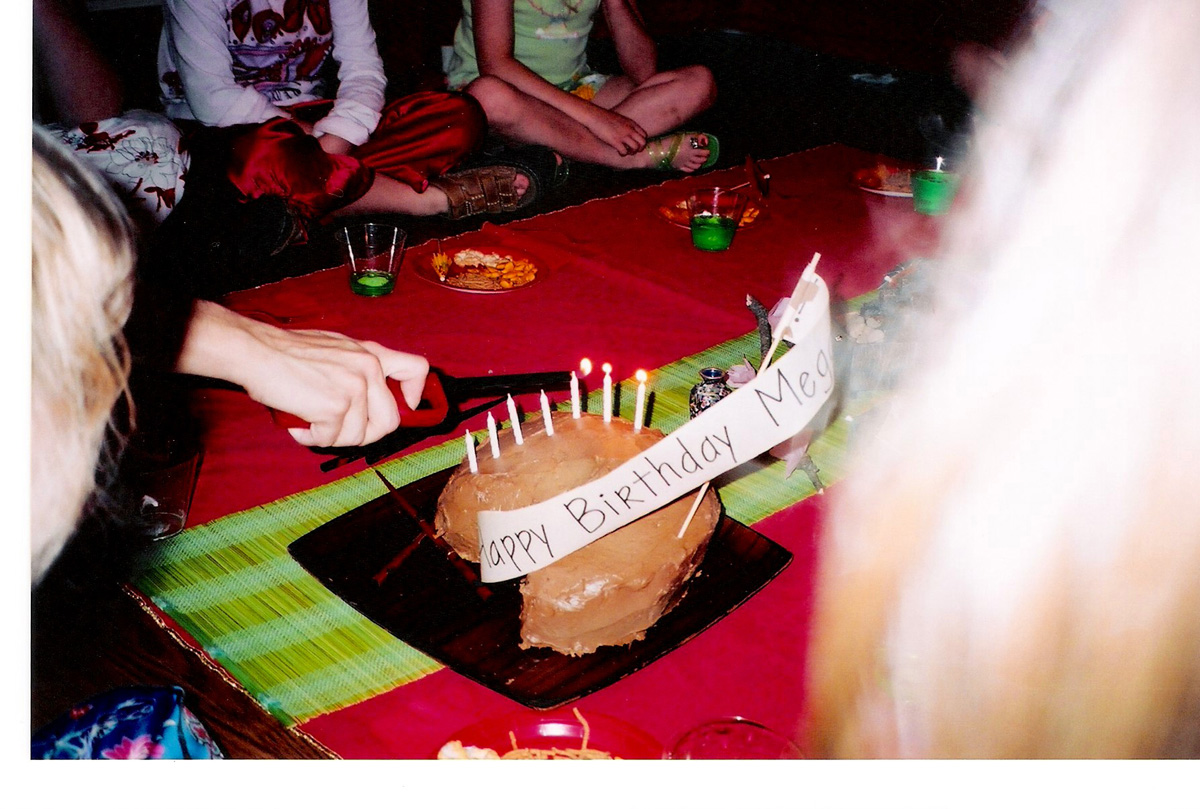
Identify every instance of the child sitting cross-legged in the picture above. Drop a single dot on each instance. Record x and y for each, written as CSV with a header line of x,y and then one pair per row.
x,y
526,63
254,74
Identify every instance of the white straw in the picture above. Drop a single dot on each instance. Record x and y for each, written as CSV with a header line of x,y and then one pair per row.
x,y
349,247
692,513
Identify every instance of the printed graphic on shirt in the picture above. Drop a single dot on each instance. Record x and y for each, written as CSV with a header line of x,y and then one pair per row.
x,y
557,27
273,49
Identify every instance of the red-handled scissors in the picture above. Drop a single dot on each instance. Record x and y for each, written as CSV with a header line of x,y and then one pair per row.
x,y
440,411
432,409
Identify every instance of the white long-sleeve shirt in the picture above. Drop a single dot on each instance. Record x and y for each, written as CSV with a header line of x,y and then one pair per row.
x,y
227,62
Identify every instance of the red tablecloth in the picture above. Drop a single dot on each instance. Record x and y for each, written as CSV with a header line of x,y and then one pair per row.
x,y
620,285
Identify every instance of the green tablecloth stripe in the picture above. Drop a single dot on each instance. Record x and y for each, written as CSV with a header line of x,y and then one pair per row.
x,y
301,651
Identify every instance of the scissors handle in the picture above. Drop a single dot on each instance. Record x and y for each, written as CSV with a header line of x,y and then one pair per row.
x,y
432,410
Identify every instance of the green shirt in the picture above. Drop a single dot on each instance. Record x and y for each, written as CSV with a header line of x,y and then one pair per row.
x,y
549,37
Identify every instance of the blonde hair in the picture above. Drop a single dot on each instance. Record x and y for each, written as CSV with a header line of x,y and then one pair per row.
x,y
1012,566
81,294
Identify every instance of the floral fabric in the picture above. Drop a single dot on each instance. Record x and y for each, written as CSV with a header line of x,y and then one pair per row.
x,y
128,723
141,155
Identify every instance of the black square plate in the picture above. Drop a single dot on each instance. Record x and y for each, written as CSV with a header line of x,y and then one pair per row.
x,y
379,560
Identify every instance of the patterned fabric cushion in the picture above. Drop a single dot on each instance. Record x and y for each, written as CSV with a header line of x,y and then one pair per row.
x,y
127,723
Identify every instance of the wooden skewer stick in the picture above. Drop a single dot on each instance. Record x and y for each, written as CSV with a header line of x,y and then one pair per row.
x,y
793,308
427,532
695,505
746,184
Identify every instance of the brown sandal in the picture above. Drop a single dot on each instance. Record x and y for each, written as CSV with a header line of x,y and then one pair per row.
x,y
488,189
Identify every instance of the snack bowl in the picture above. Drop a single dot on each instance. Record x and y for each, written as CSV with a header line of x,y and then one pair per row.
x,y
562,733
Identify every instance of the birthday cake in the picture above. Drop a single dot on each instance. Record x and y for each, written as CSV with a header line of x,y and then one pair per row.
x,y
611,591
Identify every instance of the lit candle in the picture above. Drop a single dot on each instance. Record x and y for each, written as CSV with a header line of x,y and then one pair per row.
x,y
495,442
546,414
471,452
585,368
639,412
515,421
607,392
574,396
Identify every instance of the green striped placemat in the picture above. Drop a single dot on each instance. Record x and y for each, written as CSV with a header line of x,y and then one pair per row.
x,y
298,649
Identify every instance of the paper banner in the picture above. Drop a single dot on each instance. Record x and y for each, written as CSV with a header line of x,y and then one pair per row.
x,y
774,407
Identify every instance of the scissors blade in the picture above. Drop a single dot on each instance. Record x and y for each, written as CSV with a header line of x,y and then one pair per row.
x,y
402,439
474,387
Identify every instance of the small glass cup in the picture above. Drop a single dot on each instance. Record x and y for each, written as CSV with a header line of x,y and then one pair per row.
x,y
374,253
933,191
714,215
163,481
733,738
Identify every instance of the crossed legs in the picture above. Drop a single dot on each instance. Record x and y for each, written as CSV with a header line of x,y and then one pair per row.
x,y
658,105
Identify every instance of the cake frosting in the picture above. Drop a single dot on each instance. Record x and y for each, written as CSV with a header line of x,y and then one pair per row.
x,y
611,591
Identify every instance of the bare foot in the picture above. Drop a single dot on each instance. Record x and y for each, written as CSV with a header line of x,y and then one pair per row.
x,y
691,154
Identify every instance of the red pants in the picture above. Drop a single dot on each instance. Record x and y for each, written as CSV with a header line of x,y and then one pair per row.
x,y
419,136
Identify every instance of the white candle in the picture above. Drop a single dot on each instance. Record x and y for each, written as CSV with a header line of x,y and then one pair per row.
x,y
546,414
474,464
574,396
495,442
639,412
607,392
515,421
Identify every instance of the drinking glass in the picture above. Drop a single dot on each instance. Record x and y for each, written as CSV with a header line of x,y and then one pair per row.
x,y
933,191
714,215
374,253
163,479
733,738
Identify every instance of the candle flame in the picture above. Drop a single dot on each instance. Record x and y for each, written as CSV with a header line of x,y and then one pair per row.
x,y
606,368
585,366
640,376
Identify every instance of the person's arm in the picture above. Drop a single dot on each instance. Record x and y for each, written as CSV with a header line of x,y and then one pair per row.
x,y
636,51
335,383
493,21
81,82
361,80
197,33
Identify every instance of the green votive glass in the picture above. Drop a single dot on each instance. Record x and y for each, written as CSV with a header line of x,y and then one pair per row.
x,y
933,191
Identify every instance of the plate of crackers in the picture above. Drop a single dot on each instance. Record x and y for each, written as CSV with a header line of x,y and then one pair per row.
x,y
887,181
677,213
483,270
